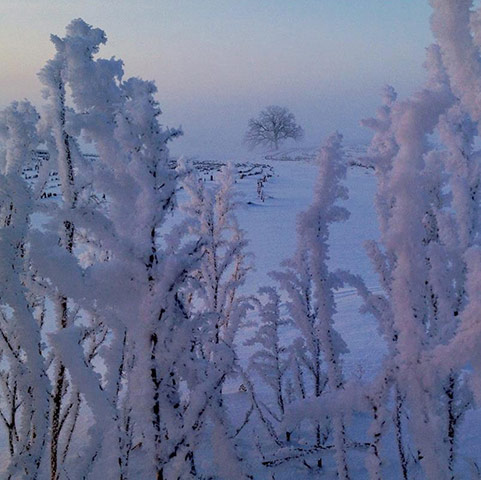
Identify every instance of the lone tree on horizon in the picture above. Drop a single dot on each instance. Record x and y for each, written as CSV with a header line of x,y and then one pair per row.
x,y
273,125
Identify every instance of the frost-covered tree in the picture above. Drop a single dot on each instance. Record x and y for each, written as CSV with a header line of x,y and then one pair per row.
x,y
117,330
62,147
128,297
273,125
131,281
269,366
270,362
309,287
25,386
213,300
224,265
426,238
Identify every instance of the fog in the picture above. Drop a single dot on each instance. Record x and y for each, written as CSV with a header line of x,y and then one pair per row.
x,y
218,62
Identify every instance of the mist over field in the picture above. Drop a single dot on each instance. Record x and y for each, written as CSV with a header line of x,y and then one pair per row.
x,y
216,64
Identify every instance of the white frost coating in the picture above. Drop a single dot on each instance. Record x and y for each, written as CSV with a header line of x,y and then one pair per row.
x,y
20,345
422,258
310,286
148,315
450,24
413,119
132,282
381,151
68,345
215,305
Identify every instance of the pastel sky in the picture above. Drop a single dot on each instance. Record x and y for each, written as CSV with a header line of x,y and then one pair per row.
x,y
218,62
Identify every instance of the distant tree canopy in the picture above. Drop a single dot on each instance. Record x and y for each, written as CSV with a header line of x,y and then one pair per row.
x,y
273,125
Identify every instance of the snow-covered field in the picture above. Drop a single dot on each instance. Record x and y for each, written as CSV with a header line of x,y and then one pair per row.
x,y
271,230
270,226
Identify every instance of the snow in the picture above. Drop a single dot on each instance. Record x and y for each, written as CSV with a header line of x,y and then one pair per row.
x,y
270,228
316,311
271,231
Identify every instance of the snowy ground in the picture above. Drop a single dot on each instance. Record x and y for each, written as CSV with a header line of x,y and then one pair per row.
x,y
271,230
270,226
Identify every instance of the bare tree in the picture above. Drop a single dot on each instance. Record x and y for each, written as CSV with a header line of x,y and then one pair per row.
x,y
273,125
